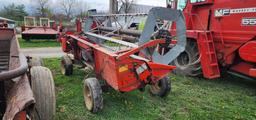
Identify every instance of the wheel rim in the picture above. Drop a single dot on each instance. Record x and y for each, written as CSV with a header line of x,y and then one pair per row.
x,y
155,88
183,60
62,68
88,97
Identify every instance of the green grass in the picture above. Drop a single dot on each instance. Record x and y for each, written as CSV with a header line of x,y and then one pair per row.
x,y
191,98
38,43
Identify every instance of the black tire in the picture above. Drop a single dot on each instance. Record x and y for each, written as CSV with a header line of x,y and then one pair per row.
x,y
42,85
188,63
92,95
162,88
35,61
66,65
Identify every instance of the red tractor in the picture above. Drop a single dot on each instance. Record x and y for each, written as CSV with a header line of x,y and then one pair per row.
x,y
221,36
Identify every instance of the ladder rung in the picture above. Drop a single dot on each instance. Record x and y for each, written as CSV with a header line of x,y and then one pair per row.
x,y
210,53
209,41
3,60
3,63
214,64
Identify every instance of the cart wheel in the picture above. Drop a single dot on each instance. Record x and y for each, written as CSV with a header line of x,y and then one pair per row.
x,y
35,61
66,65
42,84
161,88
93,95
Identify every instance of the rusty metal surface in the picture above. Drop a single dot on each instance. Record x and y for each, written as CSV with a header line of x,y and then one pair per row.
x,y
10,55
19,97
41,30
18,63
6,75
16,93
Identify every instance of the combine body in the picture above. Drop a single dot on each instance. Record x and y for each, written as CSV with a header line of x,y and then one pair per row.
x,y
225,33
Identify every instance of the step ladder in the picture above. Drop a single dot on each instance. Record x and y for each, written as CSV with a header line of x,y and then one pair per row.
x,y
210,66
4,61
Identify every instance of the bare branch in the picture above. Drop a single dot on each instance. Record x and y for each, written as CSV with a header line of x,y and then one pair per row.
x,y
67,7
42,6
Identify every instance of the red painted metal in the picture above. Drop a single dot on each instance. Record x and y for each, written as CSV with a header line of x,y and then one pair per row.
x,y
247,51
44,31
208,56
229,32
41,31
119,68
244,68
21,116
252,72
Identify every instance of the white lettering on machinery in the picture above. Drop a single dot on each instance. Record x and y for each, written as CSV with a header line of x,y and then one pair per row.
x,y
243,10
222,12
225,12
248,21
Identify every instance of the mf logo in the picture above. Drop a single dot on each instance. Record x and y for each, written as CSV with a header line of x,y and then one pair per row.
x,y
222,12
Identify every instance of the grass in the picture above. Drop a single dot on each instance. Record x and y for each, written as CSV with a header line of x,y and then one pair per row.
x,y
191,98
38,43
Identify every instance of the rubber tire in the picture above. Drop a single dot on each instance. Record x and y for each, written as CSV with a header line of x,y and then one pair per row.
x,y
94,87
36,61
66,65
193,68
164,88
42,85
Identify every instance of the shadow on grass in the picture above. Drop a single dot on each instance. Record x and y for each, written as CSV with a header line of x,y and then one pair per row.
x,y
38,43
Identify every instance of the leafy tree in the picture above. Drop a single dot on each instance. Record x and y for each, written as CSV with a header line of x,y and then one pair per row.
x,y
14,12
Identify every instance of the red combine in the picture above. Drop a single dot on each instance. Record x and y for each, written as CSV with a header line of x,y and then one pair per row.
x,y
46,29
221,36
124,66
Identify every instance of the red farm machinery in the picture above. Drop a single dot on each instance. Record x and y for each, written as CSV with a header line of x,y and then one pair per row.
x,y
101,43
26,88
221,36
45,29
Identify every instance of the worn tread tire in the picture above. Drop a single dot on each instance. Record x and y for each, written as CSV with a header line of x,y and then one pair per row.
x,y
193,67
42,85
36,61
94,87
66,65
163,90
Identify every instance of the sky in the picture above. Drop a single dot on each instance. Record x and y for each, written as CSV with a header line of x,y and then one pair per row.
x,y
101,5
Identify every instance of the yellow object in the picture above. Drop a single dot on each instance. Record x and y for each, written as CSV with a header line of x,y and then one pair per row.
x,y
123,68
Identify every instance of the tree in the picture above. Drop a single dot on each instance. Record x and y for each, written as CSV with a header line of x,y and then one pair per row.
x,y
14,12
126,5
42,7
67,7
81,9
